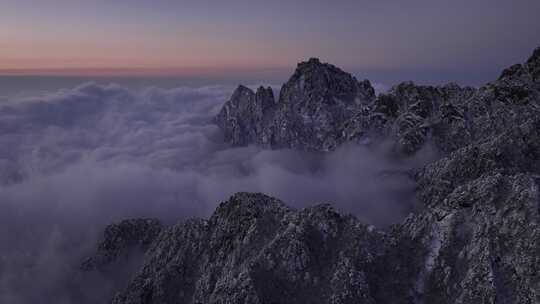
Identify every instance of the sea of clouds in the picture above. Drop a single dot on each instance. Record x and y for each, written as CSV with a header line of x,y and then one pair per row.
x,y
78,159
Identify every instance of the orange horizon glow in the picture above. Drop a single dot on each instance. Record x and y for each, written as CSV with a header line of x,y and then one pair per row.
x,y
187,63
132,71
78,37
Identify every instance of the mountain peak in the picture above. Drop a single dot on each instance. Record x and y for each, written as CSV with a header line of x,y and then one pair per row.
x,y
313,65
535,57
252,203
534,64
242,89
314,76
314,60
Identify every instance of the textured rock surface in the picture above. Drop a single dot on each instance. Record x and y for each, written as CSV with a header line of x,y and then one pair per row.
x,y
410,115
120,240
477,239
321,107
244,119
307,116
254,249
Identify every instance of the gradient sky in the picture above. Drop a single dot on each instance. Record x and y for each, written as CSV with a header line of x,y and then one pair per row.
x,y
249,34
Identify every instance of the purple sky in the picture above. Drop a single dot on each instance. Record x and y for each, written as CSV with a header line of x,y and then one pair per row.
x,y
460,37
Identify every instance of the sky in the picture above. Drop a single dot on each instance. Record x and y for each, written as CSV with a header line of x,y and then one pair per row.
x,y
186,37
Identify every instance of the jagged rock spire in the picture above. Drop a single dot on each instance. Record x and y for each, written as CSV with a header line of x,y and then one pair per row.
x,y
312,105
243,118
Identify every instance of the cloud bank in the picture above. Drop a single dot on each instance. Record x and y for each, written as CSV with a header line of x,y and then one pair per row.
x,y
78,159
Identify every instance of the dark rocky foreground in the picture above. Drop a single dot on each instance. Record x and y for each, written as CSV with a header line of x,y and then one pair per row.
x,y
477,239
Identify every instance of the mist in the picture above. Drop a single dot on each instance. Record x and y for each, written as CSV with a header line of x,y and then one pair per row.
x,y
75,160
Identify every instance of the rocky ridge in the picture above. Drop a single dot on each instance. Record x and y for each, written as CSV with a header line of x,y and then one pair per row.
x,y
477,239
321,107
307,114
121,240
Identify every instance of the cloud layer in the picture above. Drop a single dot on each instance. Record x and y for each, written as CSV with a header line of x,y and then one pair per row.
x,y
73,161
